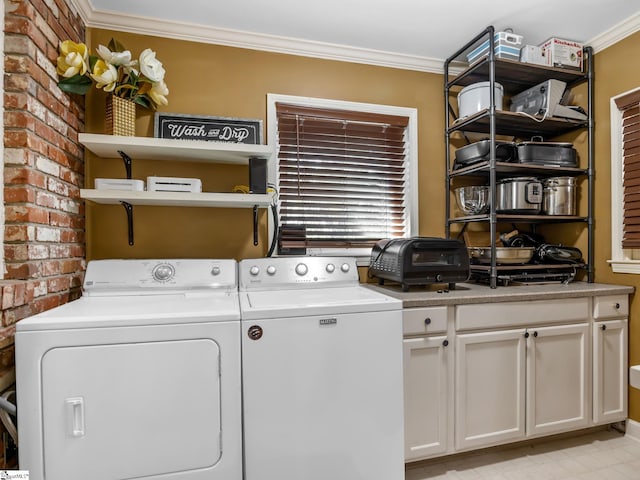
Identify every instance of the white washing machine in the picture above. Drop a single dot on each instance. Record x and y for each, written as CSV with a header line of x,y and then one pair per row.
x,y
322,372
138,378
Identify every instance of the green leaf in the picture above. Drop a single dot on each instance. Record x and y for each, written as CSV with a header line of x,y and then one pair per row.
x,y
115,46
79,84
92,62
145,102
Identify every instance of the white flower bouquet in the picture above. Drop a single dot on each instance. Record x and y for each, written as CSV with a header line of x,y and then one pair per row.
x,y
114,71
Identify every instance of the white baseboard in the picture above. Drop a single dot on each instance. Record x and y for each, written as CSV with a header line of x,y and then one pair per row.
x,y
633,430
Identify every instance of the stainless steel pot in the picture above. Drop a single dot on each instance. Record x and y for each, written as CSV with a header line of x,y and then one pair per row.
x,y
521,195
559,196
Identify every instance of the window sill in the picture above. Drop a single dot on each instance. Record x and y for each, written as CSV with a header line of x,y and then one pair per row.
x,y
625,266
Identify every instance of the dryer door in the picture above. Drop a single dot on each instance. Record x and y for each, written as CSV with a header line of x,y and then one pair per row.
x,y
131,410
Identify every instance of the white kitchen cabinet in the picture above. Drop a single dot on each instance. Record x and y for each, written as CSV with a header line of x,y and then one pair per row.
x,y
521,382
609,335
428,363
426,399
558,376
609,371
512,370
490,388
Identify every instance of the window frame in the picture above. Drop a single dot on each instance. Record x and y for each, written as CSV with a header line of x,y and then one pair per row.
x,y
623,260
362,254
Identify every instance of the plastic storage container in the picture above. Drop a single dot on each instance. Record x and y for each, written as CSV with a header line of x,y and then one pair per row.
x,y
475,98
506,45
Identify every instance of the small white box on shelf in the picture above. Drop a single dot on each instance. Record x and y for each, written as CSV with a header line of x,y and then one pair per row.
x,y
563,53
129,185
534,54
174,184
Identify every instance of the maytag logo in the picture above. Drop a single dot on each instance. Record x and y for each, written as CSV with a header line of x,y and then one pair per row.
x,y
328,321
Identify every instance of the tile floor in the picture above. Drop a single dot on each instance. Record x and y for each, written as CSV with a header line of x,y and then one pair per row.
x,y
597,455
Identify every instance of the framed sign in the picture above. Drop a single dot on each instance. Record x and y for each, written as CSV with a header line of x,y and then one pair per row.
x,y
217,129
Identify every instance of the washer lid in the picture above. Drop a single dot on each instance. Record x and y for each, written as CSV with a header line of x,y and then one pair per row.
x,y
315,301
122,311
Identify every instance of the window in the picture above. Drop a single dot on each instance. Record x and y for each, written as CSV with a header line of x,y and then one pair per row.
x,y
625,182
345,174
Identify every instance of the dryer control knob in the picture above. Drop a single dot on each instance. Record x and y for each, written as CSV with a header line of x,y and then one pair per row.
x,y
254,270
301,269
330,268
271,270
344,267
215,271
163,272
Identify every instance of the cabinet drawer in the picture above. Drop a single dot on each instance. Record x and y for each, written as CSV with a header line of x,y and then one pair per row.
x,y
513,314
608,306
417,321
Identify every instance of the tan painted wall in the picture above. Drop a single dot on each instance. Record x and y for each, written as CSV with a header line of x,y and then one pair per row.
x,y
215,80
617,71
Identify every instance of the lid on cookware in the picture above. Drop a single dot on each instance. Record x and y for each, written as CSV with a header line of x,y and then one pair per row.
x,y
560,181
550,144
519,179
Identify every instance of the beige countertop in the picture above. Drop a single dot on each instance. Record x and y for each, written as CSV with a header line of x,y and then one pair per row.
x,y
465,293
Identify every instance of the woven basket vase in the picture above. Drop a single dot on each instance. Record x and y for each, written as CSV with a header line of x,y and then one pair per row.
x,y
120,117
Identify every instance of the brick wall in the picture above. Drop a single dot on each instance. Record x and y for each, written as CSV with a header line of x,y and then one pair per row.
x,y
43,173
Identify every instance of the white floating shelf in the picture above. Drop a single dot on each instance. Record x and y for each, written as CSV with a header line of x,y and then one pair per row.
x,y
108,146
178,199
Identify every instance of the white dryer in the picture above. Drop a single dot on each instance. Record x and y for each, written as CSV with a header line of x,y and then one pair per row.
x,y
139,378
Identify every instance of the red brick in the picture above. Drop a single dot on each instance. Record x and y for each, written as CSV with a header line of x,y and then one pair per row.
x,y
24,176
16,252
22,271
7,296
16,233
19,194
58,284
21,8
14,315
25,213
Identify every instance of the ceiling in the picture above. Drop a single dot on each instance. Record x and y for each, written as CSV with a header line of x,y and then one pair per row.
x,y
415,34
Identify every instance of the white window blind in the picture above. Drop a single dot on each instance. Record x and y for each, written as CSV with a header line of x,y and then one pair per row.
x,y
342,176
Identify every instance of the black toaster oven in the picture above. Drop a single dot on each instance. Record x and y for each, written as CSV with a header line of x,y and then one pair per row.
x,y
420,261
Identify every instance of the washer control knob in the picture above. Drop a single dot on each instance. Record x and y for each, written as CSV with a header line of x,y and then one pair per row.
x,y
215,271
344,267
254,270
271,270
301,269
163,272
331,268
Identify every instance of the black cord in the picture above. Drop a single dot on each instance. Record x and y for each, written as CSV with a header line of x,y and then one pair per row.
x,y
274,212
274,240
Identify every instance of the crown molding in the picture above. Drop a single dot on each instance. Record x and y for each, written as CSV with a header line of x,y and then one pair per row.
x,y
109,20
618,32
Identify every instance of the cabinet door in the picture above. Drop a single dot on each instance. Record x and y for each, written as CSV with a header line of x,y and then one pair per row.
x,y
490,388
557,379
426,399
609,371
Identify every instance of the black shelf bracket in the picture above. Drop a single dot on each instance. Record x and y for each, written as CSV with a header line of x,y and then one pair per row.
x,y
127,163
129,209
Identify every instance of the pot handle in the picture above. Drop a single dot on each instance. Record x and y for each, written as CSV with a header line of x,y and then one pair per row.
x,y
533,194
